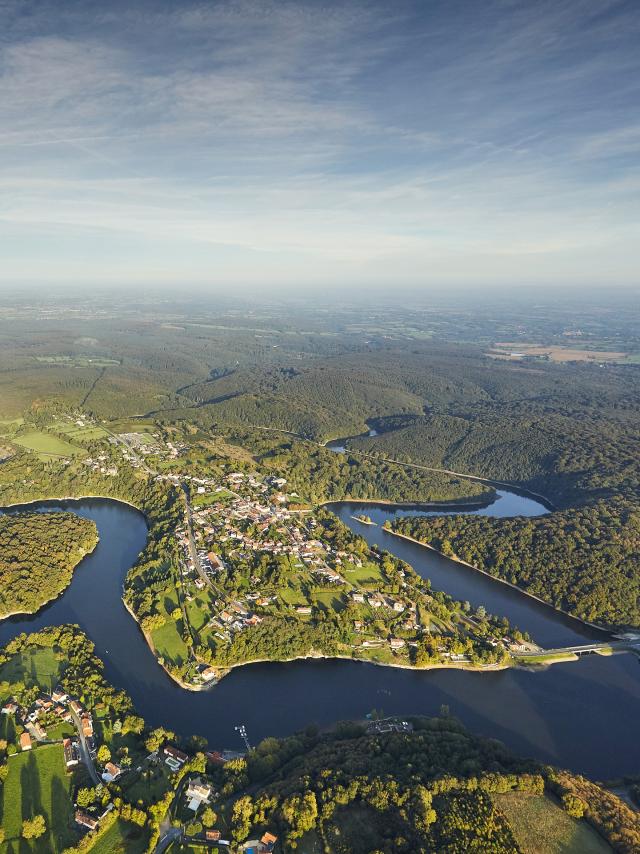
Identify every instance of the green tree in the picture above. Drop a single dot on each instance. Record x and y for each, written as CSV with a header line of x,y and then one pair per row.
x,y
34,828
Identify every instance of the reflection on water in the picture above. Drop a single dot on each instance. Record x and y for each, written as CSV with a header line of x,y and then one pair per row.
x,y
580,715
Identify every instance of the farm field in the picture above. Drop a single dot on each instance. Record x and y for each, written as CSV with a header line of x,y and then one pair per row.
x,y
46,445
37,783
33,667
543,827
120,838
555,353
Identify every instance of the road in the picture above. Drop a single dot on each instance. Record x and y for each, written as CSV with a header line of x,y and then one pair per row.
x,y
84,750
604,648
173,833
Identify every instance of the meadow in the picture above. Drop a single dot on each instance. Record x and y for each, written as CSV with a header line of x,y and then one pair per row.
x,y
37,783
541,826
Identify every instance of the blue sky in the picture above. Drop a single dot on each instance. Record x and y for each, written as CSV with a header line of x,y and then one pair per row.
x,y
306,143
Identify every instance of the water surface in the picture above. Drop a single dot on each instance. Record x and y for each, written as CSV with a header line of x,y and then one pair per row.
x,y
581,715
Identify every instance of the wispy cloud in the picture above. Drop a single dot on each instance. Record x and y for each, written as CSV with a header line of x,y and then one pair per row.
x,y
439,139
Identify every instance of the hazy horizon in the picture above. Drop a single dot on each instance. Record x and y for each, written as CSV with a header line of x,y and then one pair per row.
x,y
299,145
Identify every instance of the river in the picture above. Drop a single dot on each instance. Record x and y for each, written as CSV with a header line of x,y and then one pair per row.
x,y
582,715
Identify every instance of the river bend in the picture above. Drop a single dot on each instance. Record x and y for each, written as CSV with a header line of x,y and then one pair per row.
x,y
582,715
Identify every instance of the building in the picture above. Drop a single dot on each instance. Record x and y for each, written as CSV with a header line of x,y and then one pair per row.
x,y
198,793
10,709
174,758
396,643
25,741
268,841
71,752
85,820
111,772
212,835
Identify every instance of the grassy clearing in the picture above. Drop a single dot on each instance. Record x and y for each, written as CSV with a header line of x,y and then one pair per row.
x,y
199,611
370,573
83,434
46,445
37,783
542,827
169,644
33,667
121,838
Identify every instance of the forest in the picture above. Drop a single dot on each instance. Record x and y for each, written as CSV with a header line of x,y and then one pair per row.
x,y
38,553
428,786
584,560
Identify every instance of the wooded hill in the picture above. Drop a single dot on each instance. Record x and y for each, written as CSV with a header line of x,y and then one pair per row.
x,y
38,553
437,788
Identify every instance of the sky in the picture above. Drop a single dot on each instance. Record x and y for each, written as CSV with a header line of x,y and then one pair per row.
x,y
250,143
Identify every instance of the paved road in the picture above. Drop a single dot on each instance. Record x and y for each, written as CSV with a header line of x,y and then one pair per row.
x,y
163,843
84,750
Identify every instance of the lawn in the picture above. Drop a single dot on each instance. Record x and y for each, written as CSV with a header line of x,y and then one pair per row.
x,y
331,599
150,786
33,667
47,445
38,783
169,644
121,838
292,596
542,827
199,611
370,573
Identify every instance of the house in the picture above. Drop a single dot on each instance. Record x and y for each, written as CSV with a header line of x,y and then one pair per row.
x,y
212,835
71,752
268,841
25,741
174,758
398,606
76,707
59,696
111,772
87,725
374,603
208,674
215,757
303,609
198,793
396,643
85,820
10,709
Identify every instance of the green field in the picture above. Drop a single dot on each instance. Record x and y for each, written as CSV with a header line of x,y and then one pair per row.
x,y
370,573
33,667
543,827
121,838
89,433
47,445
37,783
169,644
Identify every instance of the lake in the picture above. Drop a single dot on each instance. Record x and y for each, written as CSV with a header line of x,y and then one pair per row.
x,y
582,715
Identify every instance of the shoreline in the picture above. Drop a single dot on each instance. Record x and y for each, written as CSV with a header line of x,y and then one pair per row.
x,y
497,578
226,670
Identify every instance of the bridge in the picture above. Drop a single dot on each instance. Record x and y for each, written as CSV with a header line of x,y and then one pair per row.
x,y
610,647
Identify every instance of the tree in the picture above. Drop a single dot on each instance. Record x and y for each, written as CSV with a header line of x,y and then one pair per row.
x,y
86,797
573,805
104,754
208,817
34,828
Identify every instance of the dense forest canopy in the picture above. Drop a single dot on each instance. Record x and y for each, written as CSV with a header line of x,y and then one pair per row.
x,y
586,561
38,553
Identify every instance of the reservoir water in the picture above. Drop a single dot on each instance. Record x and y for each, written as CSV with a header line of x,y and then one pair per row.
x,y
582,715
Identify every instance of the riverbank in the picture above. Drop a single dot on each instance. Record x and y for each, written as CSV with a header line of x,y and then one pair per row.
x,y
498,579
319,656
